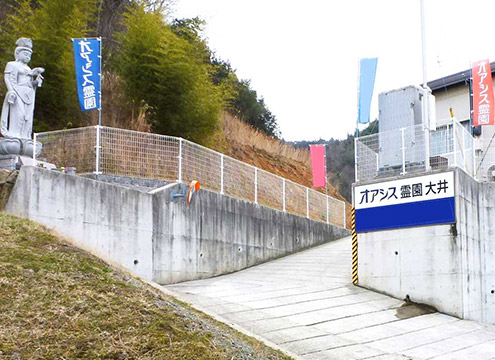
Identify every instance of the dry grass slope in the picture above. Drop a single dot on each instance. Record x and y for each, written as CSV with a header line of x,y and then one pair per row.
x,y
241,141
58,302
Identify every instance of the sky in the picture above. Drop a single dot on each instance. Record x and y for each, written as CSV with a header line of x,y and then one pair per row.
x,y
302,56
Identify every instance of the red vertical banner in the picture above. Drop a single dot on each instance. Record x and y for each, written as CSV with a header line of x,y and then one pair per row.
x,y
318,165
483,110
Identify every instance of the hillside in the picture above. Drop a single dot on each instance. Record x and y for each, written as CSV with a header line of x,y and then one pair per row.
x,y
59,302
241,141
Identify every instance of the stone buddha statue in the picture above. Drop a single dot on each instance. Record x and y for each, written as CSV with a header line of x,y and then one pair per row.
x,y
18,105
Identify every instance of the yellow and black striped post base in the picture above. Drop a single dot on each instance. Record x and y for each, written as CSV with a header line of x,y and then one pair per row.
x,y
354,248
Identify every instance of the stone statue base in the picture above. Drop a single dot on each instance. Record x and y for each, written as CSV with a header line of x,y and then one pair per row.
x,y
14,146
12,162
15,162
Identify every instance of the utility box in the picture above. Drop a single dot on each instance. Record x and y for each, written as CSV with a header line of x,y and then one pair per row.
x,y
401,125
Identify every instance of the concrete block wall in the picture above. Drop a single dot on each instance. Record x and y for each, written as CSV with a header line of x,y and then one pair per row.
x,y
450,266
156,238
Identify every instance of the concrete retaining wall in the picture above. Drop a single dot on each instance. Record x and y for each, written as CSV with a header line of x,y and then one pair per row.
x,y
156,238
110,221
451,267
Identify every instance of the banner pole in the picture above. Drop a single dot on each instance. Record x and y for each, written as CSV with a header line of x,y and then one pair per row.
x,y
101,74
326,182
358,89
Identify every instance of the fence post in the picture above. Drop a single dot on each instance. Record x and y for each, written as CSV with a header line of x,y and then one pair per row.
x,y
283,195
403,151
328,214
454,135
355,159
256,185
179,175
307,203
34,149
345,225
427,148
221,174
98,149
464,151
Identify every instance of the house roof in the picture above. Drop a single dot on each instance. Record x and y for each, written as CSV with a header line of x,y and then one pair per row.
x,y
454,79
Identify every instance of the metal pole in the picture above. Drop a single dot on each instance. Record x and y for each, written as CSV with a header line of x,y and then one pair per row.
x,y
345,225
355,159
464,152
98,149
328,212
101,71
283,195
447,139
358,91
221,173
179,177
454,135
307,203
255,185
425,102
427,148
403,151
34,149
423,41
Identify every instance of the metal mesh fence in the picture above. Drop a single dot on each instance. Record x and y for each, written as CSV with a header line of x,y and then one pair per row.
x,y
238,179
336,215
295,198
485,155
318,208
202,164
464,145
412,150
135,154
70,148
270,190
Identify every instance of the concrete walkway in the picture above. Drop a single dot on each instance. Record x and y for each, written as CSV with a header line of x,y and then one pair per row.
x,y
305,304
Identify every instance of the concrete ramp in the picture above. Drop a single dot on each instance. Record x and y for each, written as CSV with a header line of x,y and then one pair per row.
x,y
305,304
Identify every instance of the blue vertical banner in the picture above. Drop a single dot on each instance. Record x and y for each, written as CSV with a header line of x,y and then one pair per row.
x,y
87,58
366,84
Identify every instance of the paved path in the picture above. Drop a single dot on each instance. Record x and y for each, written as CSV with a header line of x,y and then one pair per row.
x,y
305,304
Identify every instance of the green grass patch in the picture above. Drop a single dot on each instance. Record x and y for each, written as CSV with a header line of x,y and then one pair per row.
x,y
59,302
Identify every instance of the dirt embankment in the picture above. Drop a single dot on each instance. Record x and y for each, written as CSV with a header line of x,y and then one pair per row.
x,y
246,144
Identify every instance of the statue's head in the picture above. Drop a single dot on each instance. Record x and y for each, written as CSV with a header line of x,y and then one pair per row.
x,y
24,50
